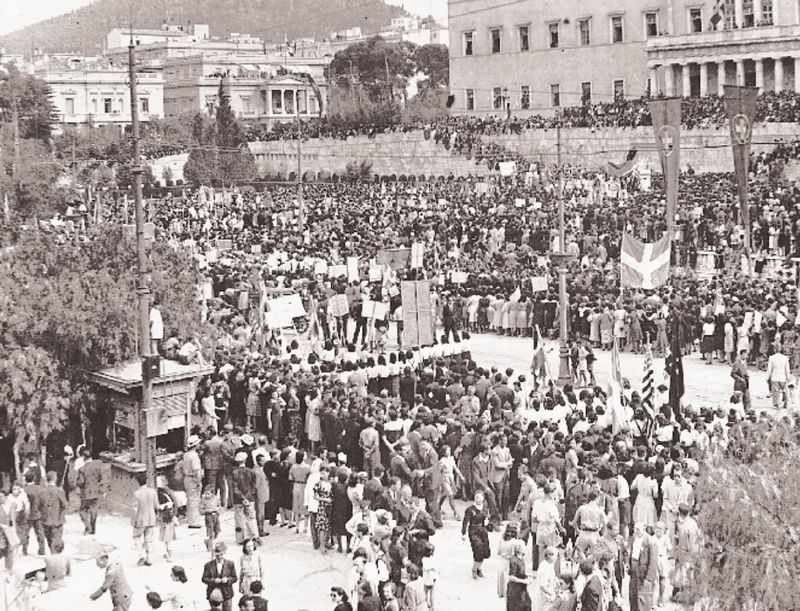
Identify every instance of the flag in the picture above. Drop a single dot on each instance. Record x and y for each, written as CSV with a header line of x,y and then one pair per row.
x,y
626,167
619,416
674,364
644,265
647,390
716,13
288,46
740,106
666,115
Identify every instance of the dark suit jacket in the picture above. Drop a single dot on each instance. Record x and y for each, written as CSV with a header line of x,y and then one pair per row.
x,y
228,574
53,504
91,480
212,454
34,492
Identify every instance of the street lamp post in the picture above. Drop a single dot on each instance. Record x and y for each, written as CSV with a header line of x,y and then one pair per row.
x,y
561,259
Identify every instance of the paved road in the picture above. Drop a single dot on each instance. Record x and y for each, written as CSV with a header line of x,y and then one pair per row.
x,y
706,385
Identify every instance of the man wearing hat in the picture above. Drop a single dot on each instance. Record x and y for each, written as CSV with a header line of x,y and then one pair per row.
x,y
192,481
243,488
229,448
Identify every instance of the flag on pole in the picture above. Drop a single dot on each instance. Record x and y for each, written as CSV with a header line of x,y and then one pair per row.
x,y
740,106
539,364
716,14
647,391
616,403
644,265
674,365
666,115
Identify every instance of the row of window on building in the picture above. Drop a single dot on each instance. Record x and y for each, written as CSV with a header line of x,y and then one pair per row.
x,y
696,22
109,108
501,99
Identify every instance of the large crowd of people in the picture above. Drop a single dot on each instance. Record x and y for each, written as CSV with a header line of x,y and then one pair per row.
x,y
361,443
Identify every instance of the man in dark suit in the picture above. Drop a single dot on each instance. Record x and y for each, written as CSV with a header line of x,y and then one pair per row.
x,y
115,583
212,465
53,504
91,482
34,492
229,447
220,574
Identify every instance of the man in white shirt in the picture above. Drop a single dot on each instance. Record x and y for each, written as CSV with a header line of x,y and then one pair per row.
x,y
156,327
778,374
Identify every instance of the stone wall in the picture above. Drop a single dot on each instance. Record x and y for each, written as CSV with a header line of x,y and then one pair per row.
x,y
385,154
705,150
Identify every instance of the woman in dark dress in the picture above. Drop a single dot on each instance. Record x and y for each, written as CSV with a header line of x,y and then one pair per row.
x,y
475,519
284,494
341,511
517,597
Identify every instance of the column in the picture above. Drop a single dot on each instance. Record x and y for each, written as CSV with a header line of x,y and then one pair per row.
x,y
739,6
686,85
721,77
703,80
757,11
654,81
778,74
740,72
797,74
669,78
760,75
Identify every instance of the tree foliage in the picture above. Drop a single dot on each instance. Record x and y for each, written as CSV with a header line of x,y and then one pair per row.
x,y
434,62
380,68
221,154
30,97
76,305
750,519
33,396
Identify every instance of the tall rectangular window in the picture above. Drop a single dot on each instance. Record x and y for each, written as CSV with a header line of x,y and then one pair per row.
x,y
695,20
524,39
584,32
69,106
767,12
468,42
553,30
276,97
729,13
107,105
525,97
495,35
619,89
145,103
650,24
555,95
586,92
302,102
616,29
497,98
749,15
470,101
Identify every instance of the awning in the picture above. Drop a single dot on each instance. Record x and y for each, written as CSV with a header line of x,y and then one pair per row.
x,y
297,68
249,67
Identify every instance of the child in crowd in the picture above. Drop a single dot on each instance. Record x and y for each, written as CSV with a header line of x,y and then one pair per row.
x,y
209,507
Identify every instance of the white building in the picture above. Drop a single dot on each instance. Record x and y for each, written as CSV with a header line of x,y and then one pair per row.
x,y
88,91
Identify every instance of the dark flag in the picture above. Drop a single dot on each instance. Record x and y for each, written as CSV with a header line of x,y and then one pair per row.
x,y
740,105
626,167
666,115
674,364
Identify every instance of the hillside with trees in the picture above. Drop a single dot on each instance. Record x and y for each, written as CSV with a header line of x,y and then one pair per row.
x,y
84,29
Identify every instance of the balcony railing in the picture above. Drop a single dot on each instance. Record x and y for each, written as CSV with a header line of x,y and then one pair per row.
x,y
725,37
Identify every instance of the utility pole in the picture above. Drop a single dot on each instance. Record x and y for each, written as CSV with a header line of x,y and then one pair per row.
x,y
145,443
15,117
300,206
564,376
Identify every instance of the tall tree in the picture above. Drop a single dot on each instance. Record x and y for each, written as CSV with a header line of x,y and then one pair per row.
x,y
750,519
382,69
434,62
30,98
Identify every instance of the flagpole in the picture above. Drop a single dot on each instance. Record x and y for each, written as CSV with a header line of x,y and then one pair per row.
x,y
564,376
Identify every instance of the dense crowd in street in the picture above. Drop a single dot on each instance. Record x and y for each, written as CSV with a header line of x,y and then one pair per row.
x,y
364,445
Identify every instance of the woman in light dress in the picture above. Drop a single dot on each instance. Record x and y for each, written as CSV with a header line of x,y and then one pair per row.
x,y
251,567
505,550
644,509
546,586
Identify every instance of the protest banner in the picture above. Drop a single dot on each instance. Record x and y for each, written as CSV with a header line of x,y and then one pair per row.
x,y
276,319
338,306
396,258
417,313
291,304
337,271
539,283
223,245
417,255
321,268
352,269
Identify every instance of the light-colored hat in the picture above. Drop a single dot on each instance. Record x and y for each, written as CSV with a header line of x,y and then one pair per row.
x,y
192,441
240,457
247,439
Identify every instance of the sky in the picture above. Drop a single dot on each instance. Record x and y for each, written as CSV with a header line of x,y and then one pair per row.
x,y
16,14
